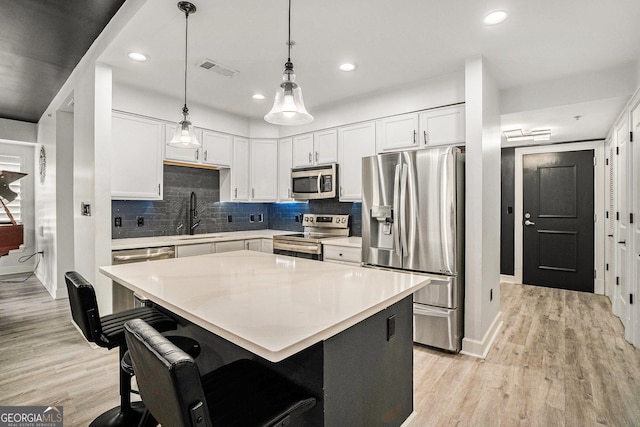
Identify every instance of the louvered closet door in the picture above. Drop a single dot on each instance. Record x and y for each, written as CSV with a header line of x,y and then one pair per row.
x,y
609,242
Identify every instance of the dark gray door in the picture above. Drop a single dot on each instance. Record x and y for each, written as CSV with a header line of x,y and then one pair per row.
x,y
558,226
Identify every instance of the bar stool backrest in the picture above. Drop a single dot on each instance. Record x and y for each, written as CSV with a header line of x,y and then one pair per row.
x,y
84,306
168,378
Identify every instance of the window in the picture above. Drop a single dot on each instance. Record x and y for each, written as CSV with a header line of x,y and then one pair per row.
x,y
11,163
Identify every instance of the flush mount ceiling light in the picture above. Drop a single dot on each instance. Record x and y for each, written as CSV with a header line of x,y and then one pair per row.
x,y
496,17
515,135
347,67
288,106
185,136
136,56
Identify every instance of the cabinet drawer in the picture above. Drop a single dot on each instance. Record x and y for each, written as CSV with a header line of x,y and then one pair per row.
x,y
343,253
192,250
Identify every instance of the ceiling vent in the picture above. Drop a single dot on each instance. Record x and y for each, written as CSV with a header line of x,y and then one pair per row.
x,y
210,65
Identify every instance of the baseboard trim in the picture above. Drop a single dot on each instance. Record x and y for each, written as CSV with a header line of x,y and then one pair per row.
x,y
505,278
411,420
480,349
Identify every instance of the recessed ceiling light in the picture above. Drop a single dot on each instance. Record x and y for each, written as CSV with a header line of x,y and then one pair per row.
x,y
136,56
347,67
258,96
495,18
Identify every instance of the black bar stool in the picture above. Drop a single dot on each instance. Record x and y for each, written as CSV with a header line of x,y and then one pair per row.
x,y
108,332
242,393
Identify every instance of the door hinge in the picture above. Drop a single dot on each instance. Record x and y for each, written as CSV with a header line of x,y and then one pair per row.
x,y
594,161
617,280
630,298
595,275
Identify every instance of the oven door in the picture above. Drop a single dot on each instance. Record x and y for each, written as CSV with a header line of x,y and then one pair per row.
x,y
298,250
314,182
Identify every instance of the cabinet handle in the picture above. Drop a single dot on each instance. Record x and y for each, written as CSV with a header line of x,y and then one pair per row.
x,y
158,189
205,155
415,134
197,154
310,158
236,193
253,193
426,141
316,157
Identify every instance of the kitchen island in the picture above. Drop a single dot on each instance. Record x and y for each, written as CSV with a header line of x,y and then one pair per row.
x,y
343,332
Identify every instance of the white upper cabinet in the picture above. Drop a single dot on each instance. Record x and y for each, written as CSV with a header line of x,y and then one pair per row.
x,y
316,148
136,162
439,126
285,162
442,126
179,154
264,169
240,169
217,148
398,132
354,143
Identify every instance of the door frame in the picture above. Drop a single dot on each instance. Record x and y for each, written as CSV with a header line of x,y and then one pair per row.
x,y
599,203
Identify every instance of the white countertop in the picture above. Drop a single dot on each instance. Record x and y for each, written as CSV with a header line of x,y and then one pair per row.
x,y
352,242
177,240
271,305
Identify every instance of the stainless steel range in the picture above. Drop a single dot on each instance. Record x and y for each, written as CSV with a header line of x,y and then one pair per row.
x,y
309,243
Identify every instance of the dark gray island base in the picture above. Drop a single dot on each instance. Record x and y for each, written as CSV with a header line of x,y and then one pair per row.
x,y
363,376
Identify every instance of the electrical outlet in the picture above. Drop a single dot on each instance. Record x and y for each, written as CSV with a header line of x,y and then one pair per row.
x,y
252,218
297,218
260,218
229,218
86,209
140,220
117,222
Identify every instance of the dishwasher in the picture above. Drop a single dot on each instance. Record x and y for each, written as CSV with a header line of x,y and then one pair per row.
x,y
123,298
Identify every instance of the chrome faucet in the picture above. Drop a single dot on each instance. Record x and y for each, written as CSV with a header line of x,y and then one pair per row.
x,y
193,213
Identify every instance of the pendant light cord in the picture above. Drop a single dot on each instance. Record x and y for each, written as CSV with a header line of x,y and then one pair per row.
x,y
289,43
185,110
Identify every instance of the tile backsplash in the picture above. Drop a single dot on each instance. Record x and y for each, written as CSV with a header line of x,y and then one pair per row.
x,y
170,216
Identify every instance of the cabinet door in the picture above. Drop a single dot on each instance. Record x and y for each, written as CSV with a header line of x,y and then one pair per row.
x,y
264,169
325,145
253,245
285,162
193,250
230,246
186,155
240,169
354,142
303,150
217,148
442,126
267,246
399,132
136,163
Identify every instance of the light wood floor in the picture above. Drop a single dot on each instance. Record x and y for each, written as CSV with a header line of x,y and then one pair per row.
x,y
559,360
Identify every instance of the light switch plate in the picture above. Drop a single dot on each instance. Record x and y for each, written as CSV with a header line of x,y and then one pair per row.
x,y
85,209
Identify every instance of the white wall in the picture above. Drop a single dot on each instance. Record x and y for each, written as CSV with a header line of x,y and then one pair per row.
x,y
10,264
14,130
434,92
150,104
482,222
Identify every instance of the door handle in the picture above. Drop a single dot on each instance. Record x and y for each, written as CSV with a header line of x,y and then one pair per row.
x,y
527,222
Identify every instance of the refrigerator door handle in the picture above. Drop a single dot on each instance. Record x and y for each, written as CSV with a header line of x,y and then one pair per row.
x,y
396,210
403,210
445,212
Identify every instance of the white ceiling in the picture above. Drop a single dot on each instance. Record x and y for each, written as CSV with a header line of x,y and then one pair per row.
x,y
392,42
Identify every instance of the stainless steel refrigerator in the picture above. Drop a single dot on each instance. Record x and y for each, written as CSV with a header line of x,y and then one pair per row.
x,y
413,219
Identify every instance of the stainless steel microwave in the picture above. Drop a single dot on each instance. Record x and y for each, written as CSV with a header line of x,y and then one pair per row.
x,y
314,182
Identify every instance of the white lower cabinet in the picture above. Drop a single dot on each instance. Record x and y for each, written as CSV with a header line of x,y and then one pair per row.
x,y
193,250
229,246
342,254
253,245
267,246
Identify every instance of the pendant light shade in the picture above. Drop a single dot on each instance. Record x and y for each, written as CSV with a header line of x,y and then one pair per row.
x,y
185,136
288,106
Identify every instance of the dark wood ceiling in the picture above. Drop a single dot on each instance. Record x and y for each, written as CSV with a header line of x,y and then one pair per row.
x,y
41,41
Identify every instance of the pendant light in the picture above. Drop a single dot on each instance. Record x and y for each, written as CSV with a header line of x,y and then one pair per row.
x,y
185,136
288,106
